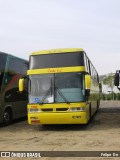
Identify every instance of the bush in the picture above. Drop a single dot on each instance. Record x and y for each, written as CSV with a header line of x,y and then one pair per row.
x,y
110,96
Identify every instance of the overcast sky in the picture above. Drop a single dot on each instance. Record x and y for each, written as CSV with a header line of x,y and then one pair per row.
x,y
33,25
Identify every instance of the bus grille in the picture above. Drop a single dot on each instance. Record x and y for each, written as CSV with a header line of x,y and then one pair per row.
x,y
47,110
57,109
61,109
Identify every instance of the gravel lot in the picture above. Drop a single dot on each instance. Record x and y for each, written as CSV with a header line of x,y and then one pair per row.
x,y
101,134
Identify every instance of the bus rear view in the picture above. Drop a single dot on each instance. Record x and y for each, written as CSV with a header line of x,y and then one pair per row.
x,y
63,87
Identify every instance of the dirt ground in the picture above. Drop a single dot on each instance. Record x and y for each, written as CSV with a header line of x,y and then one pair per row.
x,y
101,134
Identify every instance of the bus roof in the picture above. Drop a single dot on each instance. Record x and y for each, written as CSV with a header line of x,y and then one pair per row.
x,y
57,51
7,54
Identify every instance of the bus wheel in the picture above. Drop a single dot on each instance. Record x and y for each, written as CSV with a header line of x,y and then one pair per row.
x,y
7,117
90,112
98,104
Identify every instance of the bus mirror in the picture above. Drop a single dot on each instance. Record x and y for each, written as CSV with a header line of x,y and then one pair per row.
x,y
21,84
87,92
87,82
116,79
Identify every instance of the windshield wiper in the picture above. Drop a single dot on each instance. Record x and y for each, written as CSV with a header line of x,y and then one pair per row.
x,y
46,93
61,94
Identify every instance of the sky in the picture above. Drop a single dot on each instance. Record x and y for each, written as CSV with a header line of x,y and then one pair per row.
x,y
33,25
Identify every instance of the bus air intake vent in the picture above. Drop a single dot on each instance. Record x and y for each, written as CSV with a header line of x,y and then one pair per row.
x,y
47,110
61,109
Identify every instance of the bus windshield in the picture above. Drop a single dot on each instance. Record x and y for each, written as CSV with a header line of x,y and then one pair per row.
x,y
56,88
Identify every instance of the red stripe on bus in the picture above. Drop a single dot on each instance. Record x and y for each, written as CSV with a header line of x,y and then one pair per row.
x,y
10,83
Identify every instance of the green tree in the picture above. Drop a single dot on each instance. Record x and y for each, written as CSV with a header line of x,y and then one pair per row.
x,y
109,81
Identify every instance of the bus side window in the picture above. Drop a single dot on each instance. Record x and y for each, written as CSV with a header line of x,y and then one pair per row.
x,y
86,60
13,95
1,79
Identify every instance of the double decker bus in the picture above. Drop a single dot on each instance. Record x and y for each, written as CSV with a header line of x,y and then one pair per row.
x,y
63,87
13,104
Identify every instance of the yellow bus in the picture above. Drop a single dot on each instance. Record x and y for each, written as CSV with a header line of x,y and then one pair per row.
x,y
63,87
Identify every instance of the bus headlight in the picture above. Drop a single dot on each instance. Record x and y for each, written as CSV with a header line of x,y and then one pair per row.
x,y
78,109
34,110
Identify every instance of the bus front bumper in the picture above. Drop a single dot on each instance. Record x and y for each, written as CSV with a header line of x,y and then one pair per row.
x,y
58,118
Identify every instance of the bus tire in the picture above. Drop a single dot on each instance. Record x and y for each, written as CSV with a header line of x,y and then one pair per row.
x,y
98,105
90,112
7,117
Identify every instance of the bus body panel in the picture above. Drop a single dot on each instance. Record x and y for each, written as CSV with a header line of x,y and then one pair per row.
x,y
55,116
58,118
56,70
